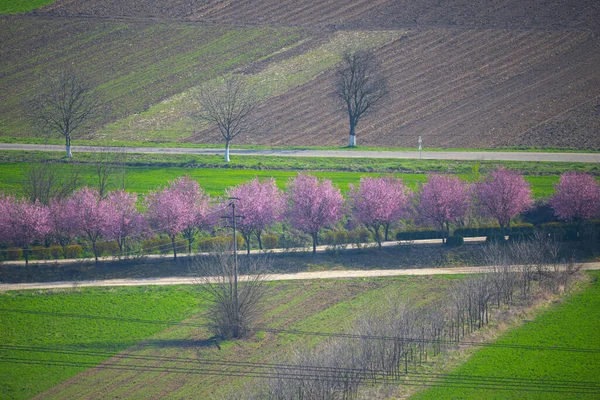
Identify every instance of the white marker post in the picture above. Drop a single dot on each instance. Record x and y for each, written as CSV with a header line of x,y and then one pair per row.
x,y
420,148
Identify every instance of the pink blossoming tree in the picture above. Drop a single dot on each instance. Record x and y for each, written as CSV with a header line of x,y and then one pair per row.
x,y
261,204
62,221
443,200
503,195
90,214
204,216
123,219
577,197
23,222
313,204
169,210
379,202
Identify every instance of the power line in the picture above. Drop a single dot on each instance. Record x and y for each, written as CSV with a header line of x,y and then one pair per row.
x,y
303,372
411,340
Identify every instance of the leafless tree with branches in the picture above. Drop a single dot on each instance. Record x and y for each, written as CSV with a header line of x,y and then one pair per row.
x,y
65,107
359,87
45,181
234,307
110,171
227,105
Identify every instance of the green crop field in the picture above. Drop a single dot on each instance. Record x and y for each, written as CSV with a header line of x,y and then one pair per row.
x,y
50,336
115,331
141,179
571,324
21,6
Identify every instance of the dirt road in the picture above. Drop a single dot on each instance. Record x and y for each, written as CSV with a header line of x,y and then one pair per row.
x,y
274,277
433,155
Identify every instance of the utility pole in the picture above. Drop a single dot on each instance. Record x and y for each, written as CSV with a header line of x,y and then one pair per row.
x,y
234,289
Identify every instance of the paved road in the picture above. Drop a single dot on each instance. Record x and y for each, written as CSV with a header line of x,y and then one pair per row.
x,y
274,277
437,155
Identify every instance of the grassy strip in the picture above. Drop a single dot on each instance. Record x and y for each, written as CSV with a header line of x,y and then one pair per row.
x,y
573,323
131,143
142,179
21,6
20,380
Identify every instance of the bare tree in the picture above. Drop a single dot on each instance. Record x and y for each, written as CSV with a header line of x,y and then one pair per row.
x,y
227,106
110,171
359,87
234,307
65,107
45,181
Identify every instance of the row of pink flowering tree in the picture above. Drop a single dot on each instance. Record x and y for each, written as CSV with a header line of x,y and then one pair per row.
x,y
182,208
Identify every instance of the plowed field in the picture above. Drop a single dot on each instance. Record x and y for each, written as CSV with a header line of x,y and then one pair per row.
x,y
457,88
579,14
134,64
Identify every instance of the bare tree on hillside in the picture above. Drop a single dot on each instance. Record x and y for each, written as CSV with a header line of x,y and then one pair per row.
x,y
234,307
228,106
65,107
359,87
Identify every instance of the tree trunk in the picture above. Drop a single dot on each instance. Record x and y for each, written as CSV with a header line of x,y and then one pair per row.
x,y
174,248
387,232
259,240
352,142
26,254
69,154
314,235
227,151
94,249
247,239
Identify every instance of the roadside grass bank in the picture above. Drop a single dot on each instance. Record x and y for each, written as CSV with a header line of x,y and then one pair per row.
x,y
73,330
564,326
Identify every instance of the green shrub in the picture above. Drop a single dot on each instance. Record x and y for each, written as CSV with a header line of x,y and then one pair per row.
x,y
341,237
495,238
14,253
328,237
73,251
57,251
41,253
269,241
219,242
454,241
359,236
419,234
107,248
157,245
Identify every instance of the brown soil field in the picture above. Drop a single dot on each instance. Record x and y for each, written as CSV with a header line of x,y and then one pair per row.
x,y
456,88
468,73
556,14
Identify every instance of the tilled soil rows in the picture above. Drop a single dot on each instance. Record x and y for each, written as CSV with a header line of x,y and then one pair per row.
x,y
455,88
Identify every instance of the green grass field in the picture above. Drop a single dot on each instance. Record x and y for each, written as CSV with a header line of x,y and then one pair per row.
x,y
21,6
107,321
573,323
43,329
142,179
